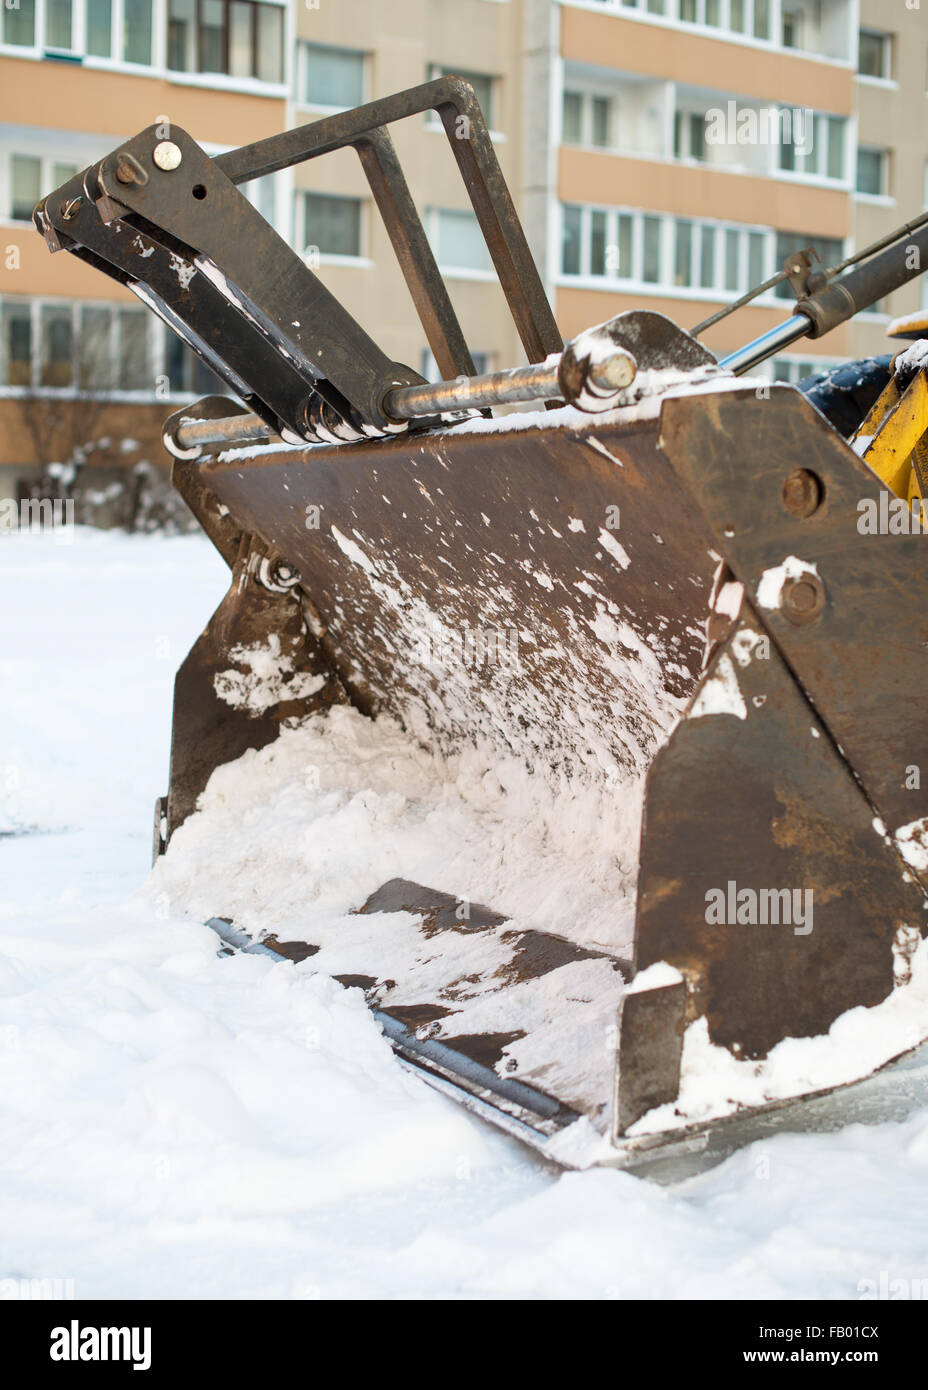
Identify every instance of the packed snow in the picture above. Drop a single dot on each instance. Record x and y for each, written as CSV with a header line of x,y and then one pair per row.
x,y
179,1124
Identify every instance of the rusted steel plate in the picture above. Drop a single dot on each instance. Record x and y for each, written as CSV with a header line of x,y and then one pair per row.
x,y
224,702
750,797
864,659
546,586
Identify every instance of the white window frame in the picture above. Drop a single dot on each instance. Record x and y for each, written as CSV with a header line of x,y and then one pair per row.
x,y
671,18
587,96
665,285
686,156
157,335
819,174
158,65
47,181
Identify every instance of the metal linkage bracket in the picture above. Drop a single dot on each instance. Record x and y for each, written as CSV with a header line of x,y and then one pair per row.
x,y
170,223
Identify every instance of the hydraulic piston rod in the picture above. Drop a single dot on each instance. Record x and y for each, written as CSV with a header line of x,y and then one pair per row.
x,y
607,372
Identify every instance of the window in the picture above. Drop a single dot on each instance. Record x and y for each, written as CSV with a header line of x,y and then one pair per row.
x,y
830,249
458,241
600,134
757,271
792,29
483,84
99,25
683,254
136,44
718,260
598,242
332,77
732,259
134,368
58,24
89,28
762,19
715,14
872,166
572,121
95,366
57,360
707,276
25,186
587,119
16,353
873,54
182,41
17,26
571,233
331,224
651,268
815,150
95,348
240,38
689,135
30,178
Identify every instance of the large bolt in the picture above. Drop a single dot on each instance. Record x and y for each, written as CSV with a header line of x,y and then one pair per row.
x,y
802,493
803,599
614,372
167,155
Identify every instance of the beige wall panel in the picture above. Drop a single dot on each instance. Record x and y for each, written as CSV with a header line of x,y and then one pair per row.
x,y
46,94
679,54
588,176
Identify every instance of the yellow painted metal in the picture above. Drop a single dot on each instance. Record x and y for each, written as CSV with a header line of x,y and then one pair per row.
x,y
886,401
898,425
911,326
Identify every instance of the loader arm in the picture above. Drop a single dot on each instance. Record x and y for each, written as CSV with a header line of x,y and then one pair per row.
x,y
171,224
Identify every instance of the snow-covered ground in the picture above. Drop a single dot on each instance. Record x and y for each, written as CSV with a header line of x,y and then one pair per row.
x,y
173,1124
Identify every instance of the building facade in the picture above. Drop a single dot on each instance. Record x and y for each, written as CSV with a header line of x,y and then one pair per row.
x,y
662,153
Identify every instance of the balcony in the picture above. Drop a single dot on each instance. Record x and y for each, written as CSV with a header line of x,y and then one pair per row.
x,y
817,28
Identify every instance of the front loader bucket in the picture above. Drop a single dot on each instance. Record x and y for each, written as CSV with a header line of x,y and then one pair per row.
x,y
673,602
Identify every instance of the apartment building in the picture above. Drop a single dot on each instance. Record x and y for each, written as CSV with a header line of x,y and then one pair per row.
x,y
82,363
700,142
636,136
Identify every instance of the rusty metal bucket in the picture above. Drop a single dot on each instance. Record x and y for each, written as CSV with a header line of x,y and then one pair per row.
x,y
678,594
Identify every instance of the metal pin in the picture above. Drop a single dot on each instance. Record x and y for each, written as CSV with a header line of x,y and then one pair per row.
x,y
167,155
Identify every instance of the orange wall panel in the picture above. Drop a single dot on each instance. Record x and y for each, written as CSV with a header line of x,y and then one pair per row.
x,y
685,56
589,176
